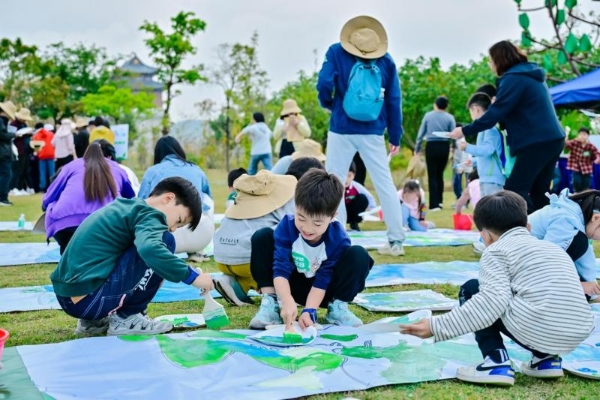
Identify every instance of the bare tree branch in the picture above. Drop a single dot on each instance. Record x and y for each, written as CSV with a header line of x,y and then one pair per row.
x,y
594,23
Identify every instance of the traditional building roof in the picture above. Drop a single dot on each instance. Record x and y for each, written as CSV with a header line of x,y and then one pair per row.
x,y
136,66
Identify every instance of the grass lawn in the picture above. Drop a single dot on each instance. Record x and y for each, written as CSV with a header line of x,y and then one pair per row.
x,y
50,326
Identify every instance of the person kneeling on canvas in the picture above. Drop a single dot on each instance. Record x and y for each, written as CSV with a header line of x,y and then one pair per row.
x,y
528,290
119,257
308,260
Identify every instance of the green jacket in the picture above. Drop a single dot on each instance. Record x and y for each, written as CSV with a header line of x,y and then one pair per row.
x,y
104,236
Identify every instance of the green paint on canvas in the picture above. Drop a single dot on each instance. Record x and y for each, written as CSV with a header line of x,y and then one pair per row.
x,y
136,338
339,338
192,353
216,322
286,339
218,334
180,320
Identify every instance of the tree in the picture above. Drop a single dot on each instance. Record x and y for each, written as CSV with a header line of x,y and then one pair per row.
x,y
238,73
169,51
304,91
118,103
18,64
570,52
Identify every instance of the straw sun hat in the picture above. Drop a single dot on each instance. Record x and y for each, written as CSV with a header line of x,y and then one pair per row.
x,y
9,108
364,37
260,194
24,115
290,107
308,148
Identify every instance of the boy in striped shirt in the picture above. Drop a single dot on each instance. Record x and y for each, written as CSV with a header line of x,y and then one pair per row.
x,y
527,290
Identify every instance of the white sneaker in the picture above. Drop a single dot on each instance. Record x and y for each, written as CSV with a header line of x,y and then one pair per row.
x,y
91,327
488,372
392,249
136,324
268,313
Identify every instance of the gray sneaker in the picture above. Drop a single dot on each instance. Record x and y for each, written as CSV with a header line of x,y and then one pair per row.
x,y
392,249
231,290
91,327
268,313
136,324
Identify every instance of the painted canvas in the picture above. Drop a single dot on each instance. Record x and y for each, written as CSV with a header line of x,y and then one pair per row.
x,y
406,301
433,237
431,272
14,226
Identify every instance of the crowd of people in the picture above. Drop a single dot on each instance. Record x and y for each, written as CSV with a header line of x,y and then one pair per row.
x,y
284,231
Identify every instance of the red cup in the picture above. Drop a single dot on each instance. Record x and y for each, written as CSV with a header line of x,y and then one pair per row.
x,y
380,214
462,222
4,335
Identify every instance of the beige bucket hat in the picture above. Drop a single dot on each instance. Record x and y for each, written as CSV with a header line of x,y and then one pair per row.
x,y
364,37
260,194
24,114
9,108
80,122
308,148
290,107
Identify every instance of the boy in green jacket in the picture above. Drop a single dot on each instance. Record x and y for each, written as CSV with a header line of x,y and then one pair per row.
x,y
119,256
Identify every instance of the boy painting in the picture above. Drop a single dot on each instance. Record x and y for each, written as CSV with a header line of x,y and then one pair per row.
x,y
119,256
308,260
527,290
487,149
581,158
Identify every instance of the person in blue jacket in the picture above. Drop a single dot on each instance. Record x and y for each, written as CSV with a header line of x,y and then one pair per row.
x,y
363,42
570,222
534,135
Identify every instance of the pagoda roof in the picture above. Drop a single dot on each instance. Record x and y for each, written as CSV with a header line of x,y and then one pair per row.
x,y
135,65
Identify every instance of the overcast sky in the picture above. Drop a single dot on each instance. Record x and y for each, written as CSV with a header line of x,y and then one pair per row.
x,y
455,31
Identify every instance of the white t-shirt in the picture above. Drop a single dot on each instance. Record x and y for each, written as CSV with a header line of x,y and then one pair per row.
x,y
260,135
308,259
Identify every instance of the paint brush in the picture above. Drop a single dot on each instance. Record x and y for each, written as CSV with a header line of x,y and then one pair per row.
x,y
213,313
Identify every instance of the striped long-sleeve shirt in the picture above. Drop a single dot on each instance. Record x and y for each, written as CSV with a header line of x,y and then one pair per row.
x,y
533,287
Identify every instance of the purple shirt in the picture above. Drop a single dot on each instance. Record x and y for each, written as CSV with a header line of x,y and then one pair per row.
x,y
65,203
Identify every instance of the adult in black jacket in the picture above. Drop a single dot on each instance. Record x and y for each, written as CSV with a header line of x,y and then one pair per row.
x,y
534,135
7,114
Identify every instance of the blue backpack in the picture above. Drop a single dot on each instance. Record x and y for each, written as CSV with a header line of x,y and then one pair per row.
x,y
364,98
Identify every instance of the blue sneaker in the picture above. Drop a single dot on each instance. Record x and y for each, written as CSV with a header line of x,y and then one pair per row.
x,y
339,314
268,313
549,367
488,372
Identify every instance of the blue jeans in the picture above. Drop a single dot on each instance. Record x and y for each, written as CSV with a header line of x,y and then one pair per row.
x,y
46,172
128,289
373,151
410,221
254,160
457,183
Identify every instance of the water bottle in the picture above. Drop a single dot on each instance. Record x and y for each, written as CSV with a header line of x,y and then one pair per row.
x,y
21,222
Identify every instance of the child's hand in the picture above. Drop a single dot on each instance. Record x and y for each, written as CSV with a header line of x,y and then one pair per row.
x,y
289,311
590,288
203,282
420,329
461,144
305,321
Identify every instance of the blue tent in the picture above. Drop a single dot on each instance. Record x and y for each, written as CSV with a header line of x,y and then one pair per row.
x,y
583,91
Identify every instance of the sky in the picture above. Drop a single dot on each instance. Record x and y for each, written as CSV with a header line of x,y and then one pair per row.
x,y
289,31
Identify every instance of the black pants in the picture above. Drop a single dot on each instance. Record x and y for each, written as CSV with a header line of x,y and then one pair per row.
x,y
21,178
5,177
361,170
287,148
581,182
349,273
436,158
357,205
63,237
63,161
533,171
489,339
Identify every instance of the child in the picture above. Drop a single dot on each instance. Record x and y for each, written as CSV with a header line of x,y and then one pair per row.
x,y
583,154
82,187
527,290
487,150
262,200
308,260
412,198
472,194
260,136
41,142
119,257
231,177
357,199
570,222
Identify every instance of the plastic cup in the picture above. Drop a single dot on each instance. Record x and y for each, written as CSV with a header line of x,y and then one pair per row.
x,y
4,335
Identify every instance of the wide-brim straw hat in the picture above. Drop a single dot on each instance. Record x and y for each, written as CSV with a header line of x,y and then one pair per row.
x,y
24,115
260,194
290,107
308,148
81,122
364,37
9,108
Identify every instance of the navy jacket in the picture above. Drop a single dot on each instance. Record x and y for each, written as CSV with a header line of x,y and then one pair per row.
x,y
333,84
524,105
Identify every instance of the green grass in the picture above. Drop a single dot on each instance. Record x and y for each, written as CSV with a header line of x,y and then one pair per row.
x,y
51,326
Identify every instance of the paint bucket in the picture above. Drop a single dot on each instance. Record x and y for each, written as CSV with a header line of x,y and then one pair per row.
x,y
3,338
462,222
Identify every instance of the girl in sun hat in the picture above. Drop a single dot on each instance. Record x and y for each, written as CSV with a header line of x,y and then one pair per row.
x,y
64,143
291,128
